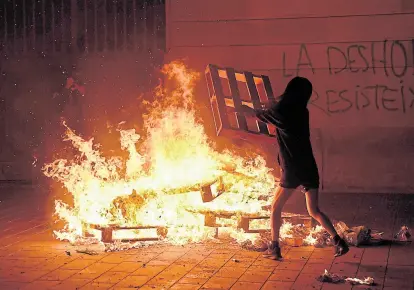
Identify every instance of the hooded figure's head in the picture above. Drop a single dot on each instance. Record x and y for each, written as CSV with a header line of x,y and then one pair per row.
x,y
297,93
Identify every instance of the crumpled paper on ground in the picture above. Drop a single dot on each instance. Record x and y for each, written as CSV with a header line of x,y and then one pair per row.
x,y
327,277
403,235
354,236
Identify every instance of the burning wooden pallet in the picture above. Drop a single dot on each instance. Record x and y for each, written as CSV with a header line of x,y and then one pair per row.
x,y
225,86
108,233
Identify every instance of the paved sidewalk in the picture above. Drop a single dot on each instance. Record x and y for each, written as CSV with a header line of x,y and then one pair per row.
x,y
32,259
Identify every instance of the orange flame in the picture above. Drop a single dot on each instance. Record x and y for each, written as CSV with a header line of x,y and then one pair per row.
x,y
158,185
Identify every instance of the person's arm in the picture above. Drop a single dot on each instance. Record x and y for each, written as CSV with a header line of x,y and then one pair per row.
x,y
268,115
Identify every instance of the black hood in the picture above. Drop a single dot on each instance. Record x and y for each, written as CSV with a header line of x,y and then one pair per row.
x,y
297,93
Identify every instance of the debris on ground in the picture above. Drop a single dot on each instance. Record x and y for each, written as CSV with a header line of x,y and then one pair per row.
x,y
68,253
366,281
300,235
327,277
87,252
355,236
236,261
403,235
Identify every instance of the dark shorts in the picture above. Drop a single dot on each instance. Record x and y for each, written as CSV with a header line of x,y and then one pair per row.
x,y
293,179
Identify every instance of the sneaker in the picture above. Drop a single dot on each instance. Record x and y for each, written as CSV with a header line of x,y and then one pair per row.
x,y
341,248
273,252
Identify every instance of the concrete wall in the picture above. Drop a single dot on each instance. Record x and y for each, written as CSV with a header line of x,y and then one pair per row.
x,y
358,54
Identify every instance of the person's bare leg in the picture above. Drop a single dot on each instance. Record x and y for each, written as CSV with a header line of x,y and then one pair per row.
x,y
279,200
312,204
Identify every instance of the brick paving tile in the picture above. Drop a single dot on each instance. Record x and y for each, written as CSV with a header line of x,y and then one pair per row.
x,y
284,275
37,285
192,257
127,267
158,263
239,262
303,249
154,287
186,264
199,272
78,264
59,275
377,267
183,267
168,277
219,283
247,254
246,285
93,271
111,277
213,263
323,255
23,262
353,256
230,272
306,281
255,276
399,283
377,286
89,257
143,258
298,255
54,264
193,281
399,288
22,275
133,282
376,254
402,255
149,271
315,268
70,284
342,286
12,285
94,285
115,258
263,268
185,287
170,256
347,269
277,285
291,265
265,262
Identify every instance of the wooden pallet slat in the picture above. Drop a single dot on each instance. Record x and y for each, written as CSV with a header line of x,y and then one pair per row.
x,y
107,232
254,96
211,191
235,93
218,97
268,89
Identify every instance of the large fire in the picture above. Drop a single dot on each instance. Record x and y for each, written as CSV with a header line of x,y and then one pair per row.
x,y
158,185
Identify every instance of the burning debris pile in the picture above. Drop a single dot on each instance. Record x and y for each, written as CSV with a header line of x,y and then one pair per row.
x,y
160,190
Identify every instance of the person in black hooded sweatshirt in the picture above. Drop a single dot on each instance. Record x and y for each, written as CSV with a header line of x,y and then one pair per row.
x,y
298,166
